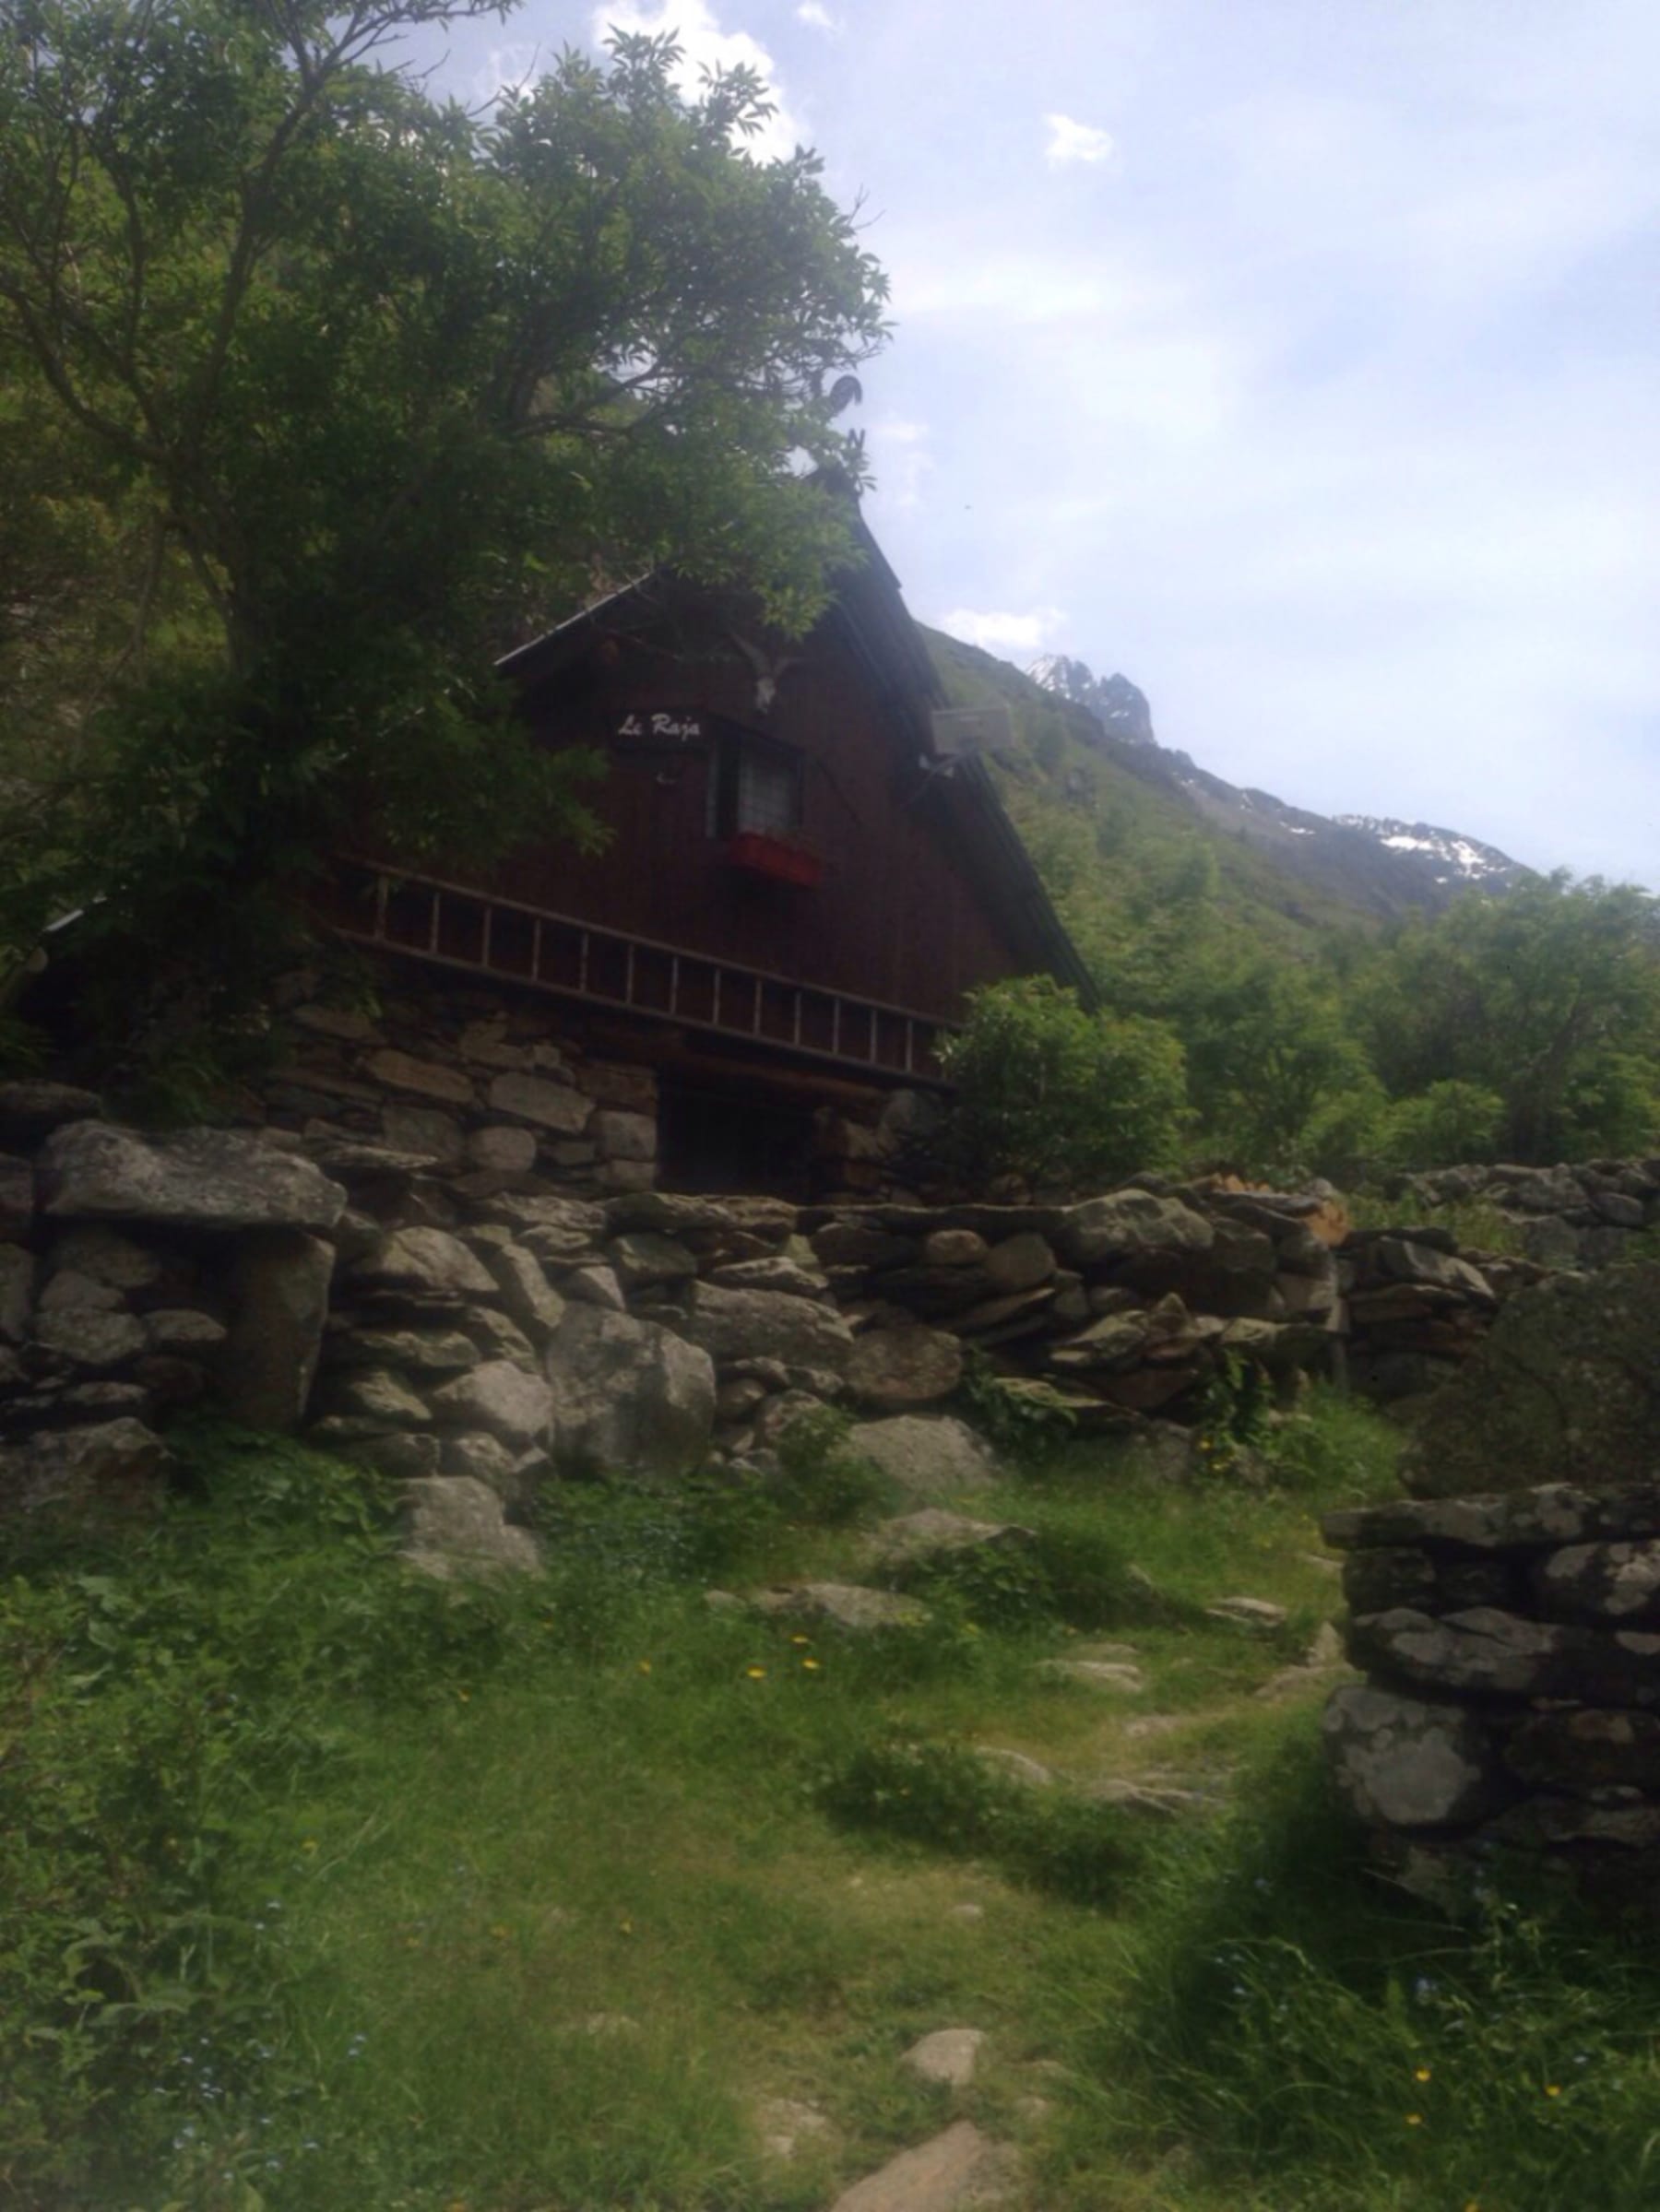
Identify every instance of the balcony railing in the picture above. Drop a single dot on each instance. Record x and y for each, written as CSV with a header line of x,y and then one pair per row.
x,y
454,927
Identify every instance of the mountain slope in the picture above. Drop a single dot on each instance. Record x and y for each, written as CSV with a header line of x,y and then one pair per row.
x,y
1378,865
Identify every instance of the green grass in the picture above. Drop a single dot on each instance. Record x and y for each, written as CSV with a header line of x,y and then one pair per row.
x,y
1478,1225
328,1888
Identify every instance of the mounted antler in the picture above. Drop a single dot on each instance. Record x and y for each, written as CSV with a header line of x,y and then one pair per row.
x,y
769,670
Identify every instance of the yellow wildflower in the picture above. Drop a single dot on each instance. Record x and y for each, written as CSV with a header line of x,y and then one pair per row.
x,y
812,1665
1414,2119
1422,2074
1553,2088
756,1674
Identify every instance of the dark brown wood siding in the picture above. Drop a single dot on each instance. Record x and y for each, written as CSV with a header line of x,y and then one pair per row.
x,y
899,915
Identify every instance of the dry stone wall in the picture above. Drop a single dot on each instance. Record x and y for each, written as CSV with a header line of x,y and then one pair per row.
x,y
1511,1645
1508,1614
453,1323
1582,1216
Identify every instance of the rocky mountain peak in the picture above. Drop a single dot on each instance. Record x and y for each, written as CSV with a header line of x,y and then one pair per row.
x,y
1118,704
1375,862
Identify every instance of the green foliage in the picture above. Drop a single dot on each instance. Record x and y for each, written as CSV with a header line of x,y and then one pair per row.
x,y
1000,1586
1023,1422
321,391
1313,1038
1335,1447
822,1481
1274,1076
1448,1124
1235,1413
1058,1095
155,1696
948,1799
1547,998
1314,2033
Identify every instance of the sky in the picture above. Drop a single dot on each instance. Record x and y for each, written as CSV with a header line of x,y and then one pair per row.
x,y
1296,358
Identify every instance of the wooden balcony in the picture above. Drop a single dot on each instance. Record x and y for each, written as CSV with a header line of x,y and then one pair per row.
x,y
454,927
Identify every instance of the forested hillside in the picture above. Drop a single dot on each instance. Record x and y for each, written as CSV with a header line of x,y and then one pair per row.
x,y
1309,1030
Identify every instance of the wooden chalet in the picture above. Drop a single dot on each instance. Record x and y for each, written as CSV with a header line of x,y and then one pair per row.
x,y
804,877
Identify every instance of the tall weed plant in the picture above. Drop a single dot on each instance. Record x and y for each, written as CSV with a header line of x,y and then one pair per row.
x,y
159,1697
1312,2031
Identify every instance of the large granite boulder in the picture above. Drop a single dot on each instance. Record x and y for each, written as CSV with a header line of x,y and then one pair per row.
x,y
768,1324
1565,1387
897,1369
202,1178
1131,1225
500,1398
925,1456
455,1529
629,1397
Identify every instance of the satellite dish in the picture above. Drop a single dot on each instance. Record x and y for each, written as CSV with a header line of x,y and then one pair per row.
x,y
964,733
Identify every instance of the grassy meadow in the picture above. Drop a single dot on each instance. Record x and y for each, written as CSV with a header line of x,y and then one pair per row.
x,y
325,1887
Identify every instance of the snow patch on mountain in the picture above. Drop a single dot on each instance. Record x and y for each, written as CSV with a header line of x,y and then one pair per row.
x,y
1373,861
1459,859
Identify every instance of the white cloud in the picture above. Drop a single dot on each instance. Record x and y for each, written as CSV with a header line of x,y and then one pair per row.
x,y
1070,141
818,18
503,68
704,46
1000,631
899,453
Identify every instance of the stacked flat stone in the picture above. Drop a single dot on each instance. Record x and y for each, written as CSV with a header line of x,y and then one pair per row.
x,y
1511,1648
1416,1308
137,1276
499,1090
1580,1216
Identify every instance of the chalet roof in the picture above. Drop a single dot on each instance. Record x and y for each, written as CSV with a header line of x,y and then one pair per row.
x,y
869,615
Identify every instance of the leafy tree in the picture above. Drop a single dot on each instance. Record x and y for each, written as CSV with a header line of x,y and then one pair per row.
x,y
1445,1126
1549,998
332,390
1061,1096
1273,1074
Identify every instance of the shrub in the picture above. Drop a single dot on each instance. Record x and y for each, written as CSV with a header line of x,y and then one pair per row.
x,y
1058,1095
1025,1422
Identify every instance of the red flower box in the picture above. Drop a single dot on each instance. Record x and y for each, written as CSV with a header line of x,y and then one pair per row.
x,y
776,859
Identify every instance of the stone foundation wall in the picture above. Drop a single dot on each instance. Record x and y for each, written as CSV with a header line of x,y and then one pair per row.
x,y
494,1087
488,1088
1511,1648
